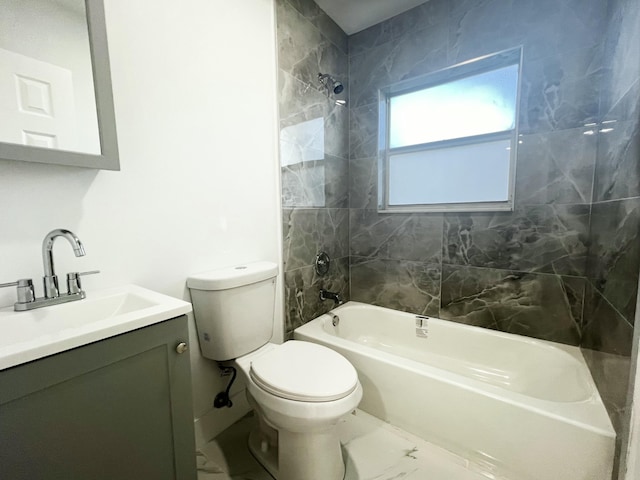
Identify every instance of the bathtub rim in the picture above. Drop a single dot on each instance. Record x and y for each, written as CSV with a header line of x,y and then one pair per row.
x,y
595,417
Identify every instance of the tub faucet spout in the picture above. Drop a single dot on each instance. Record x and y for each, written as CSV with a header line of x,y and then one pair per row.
x,y
326,295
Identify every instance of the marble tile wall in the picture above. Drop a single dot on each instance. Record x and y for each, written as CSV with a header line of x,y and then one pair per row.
x,y
314,148
613,255
563,265
522,271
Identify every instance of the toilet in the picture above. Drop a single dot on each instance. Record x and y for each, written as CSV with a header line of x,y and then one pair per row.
x,y
300,390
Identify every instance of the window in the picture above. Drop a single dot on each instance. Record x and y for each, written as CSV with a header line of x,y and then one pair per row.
x,y
448,140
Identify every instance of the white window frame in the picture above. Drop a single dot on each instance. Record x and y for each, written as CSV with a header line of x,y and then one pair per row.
x,y
466,69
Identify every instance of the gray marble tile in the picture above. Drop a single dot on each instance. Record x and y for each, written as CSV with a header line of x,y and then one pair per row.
x,y
297,38
408,286
312,128
535,305
369,38
605,329
621,90
622,54
408,56
309,231
614,254
303,51
367,73
560,90
332,30
310,122
555,167
618,162
538,238
623,108
396,236
562,56
611,375
317,183
298,101
302,289
312,12
423,16
592,14
363,132
337,182
559,104
336,130
363,183
575,291
303,184
418,52
550,26
479,27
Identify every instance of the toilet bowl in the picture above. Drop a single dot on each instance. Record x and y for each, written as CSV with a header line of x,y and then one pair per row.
x,y
300,390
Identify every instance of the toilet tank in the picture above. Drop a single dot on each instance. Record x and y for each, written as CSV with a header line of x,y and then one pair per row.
x,y
234,308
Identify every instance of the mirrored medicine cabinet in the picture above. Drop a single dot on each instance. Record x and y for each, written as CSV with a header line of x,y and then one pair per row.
x,y
56,101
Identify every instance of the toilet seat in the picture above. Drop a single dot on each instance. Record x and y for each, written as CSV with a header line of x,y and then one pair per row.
x,y
304,371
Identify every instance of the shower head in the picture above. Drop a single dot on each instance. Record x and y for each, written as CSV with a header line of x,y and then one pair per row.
x,y
330,83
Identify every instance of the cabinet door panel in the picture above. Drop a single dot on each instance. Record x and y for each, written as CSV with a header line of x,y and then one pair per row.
x,y
123,417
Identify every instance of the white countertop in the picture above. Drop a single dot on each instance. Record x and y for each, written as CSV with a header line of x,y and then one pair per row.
x,y
28,336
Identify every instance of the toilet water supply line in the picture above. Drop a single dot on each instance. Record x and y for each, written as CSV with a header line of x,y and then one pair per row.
x,y
222,399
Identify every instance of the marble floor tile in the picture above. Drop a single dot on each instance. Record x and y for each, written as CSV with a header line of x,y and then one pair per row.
x,y
373,450
227,456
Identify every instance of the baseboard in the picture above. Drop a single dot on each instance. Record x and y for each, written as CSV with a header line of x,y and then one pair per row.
x,y
216,420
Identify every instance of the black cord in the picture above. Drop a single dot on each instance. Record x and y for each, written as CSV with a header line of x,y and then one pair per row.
x,y
222,399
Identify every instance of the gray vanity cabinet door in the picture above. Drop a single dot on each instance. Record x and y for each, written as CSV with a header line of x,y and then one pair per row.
x,y
118,409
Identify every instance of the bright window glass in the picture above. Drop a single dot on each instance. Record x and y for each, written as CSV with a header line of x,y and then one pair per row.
x,y
462,174
476,105
451,138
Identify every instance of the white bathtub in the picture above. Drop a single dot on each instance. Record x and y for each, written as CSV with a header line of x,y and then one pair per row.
x,y
521,408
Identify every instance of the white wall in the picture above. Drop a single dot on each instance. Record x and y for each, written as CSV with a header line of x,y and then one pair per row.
x,y
195,100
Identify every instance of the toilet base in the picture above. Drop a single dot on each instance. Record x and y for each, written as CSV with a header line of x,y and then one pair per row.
x,y
296,455
265,453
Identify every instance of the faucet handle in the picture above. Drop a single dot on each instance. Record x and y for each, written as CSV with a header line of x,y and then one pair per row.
x,y
26,293
74,285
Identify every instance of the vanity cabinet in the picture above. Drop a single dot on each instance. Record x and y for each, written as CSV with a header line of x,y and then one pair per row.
x,y
117,409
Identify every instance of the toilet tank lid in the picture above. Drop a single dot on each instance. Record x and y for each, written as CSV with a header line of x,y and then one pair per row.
x,y
231,277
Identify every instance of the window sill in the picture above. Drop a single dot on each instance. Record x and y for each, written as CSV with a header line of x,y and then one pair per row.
x,y
451,208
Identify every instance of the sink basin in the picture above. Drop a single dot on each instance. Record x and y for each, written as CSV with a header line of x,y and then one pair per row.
x,y
27,336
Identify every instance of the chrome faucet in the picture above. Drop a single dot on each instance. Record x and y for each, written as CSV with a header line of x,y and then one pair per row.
x,y
326,295
50,278
26,294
